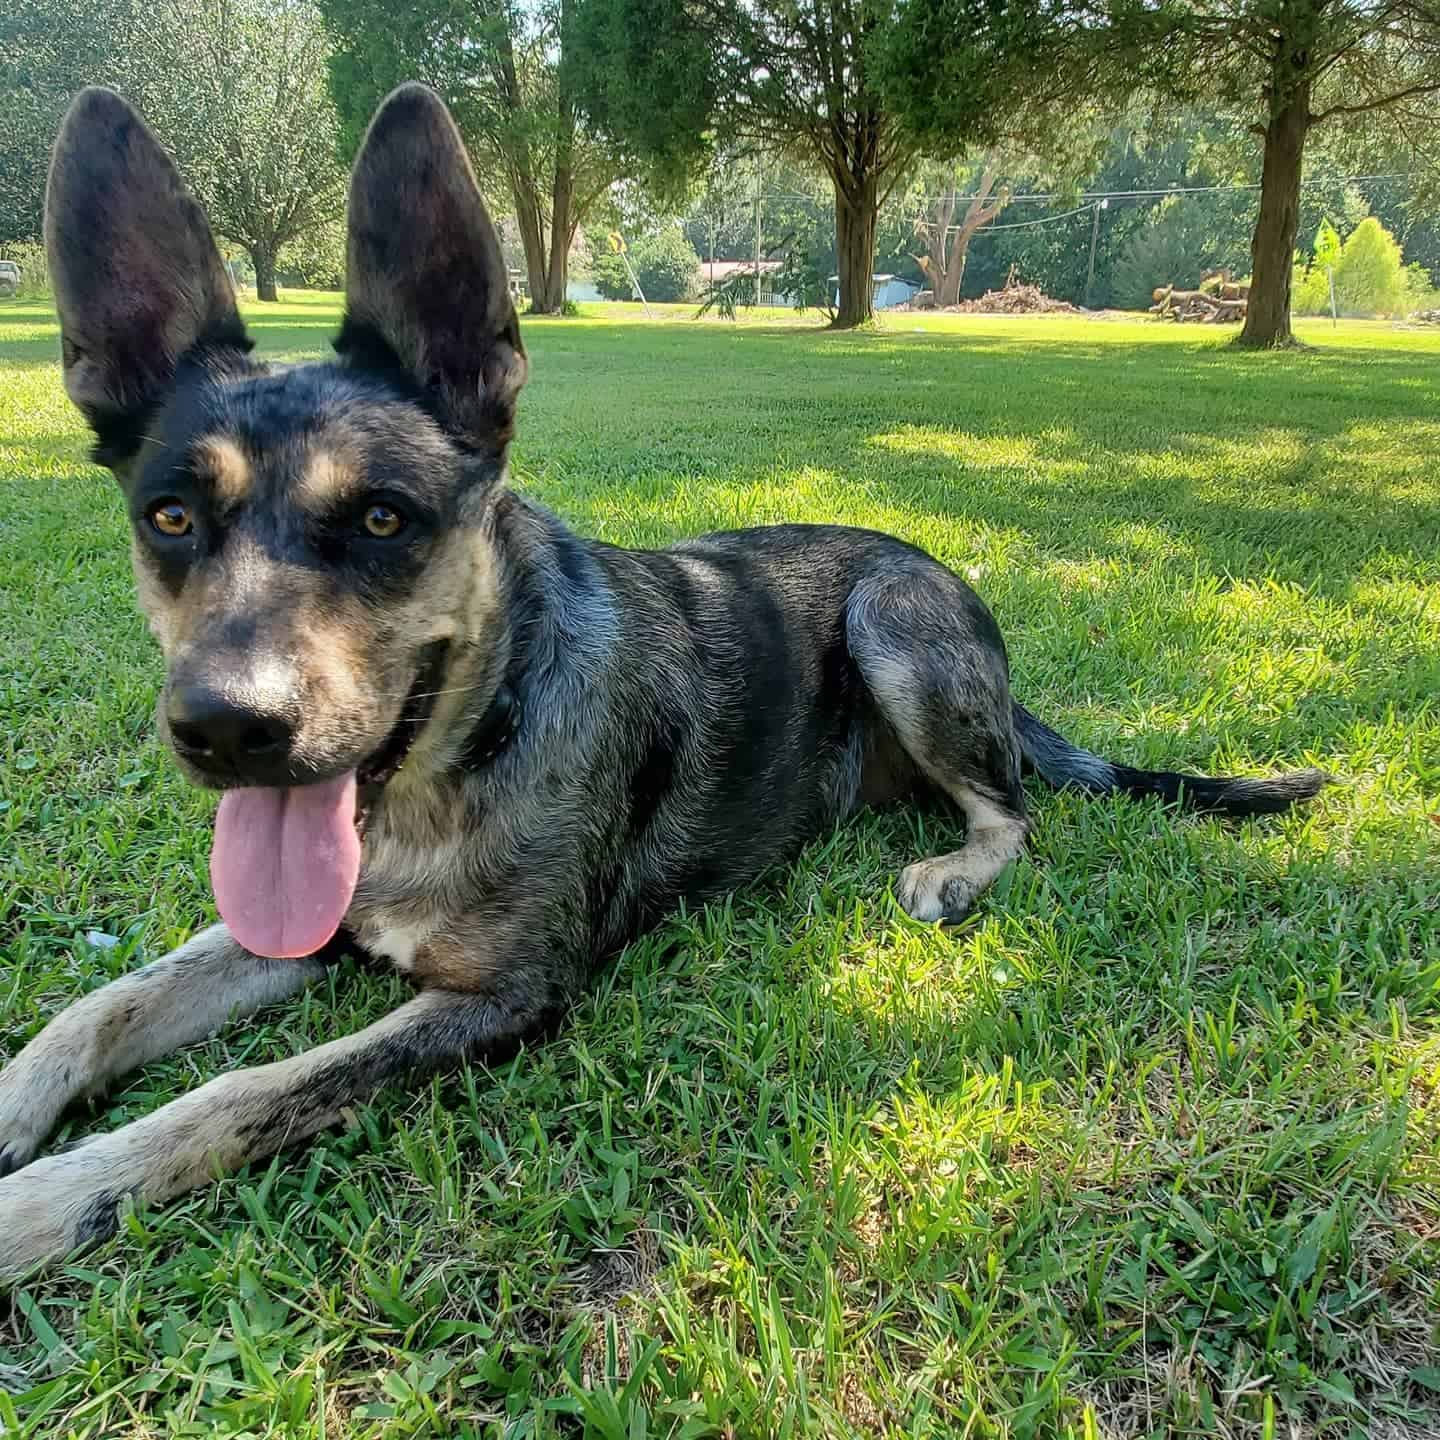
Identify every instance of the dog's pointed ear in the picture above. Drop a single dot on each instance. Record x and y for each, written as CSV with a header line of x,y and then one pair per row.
x,y
426,283
138,280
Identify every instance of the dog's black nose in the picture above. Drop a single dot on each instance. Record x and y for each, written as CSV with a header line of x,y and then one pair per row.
x,y
217,733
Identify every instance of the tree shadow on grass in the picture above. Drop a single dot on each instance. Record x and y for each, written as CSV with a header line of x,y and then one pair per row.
x,y
1299,468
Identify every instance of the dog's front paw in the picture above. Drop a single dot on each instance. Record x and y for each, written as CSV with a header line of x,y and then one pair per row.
x,y
26,1116
49,1209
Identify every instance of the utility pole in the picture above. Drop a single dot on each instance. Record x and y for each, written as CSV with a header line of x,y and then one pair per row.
x,y
1094,236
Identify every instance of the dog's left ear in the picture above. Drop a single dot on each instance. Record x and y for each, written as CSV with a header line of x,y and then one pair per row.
x,y
138,280
425,275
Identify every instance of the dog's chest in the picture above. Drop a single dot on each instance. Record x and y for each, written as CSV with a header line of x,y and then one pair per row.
x,y
406,895
394,939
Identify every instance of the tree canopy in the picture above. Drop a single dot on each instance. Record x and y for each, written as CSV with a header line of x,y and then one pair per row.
x,y
838,84
247,116
1286,67
49,49
507,72
234,88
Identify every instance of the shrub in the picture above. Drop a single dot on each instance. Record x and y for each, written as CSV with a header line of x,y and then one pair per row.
x,y
1371,277
1174,245
665,264
29,255
1153,256
1370,274
1420,291
315,260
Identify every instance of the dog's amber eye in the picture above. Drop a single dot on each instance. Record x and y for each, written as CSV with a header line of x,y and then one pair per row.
x,y
170,517
384,522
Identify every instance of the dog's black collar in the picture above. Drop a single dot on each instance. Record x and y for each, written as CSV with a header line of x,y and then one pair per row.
x,y
497,727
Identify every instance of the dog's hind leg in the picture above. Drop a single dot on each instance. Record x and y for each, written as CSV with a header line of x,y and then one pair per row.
x,y
67,1200
934,662
181,998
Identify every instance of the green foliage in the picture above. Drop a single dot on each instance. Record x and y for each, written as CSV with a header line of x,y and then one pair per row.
x,y
1371,277
645,76
961,74
1173,246
508,74
247,116
49,49
665,264
806,275
30,256
1310,287
832,85
316,260
1421,292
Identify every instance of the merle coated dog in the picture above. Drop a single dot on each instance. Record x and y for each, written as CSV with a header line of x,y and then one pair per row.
x,y
444,726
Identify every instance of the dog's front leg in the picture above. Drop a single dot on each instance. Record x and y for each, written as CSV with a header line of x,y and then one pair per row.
x,y
179,999
67,1200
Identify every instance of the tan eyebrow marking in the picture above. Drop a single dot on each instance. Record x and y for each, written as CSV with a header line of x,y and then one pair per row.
x,y
324,477
220,460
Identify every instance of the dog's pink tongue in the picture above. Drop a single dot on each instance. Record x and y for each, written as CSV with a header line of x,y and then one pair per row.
x,y
284,864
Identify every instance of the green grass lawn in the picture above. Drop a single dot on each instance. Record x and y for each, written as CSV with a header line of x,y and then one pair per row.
x,y
1152,1146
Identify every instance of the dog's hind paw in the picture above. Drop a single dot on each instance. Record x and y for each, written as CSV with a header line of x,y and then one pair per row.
x,y
938,889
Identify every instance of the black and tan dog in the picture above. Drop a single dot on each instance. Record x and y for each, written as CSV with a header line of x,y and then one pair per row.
x,y
484,748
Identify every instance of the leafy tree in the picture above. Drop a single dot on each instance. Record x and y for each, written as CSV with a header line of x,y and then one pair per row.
x,y
1284,66
816,81
246,115
49,49
945,229
665,264
507,71
316,261
720,220
1370,273
1288,66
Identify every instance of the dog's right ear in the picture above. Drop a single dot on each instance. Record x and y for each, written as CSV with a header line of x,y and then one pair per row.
x,y
138,280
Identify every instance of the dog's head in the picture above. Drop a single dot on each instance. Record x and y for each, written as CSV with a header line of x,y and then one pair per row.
x,y
307,542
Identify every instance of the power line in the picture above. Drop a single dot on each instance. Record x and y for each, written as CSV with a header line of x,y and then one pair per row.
x,y
1044,196
1029,224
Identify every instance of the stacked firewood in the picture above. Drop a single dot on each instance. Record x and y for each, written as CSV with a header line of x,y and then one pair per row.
x,y
1218,301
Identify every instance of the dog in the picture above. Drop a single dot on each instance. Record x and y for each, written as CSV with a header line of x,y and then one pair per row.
x,y
445,728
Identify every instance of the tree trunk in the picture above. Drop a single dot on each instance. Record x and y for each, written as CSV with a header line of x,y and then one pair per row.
x,y
856,208
944,267
263,259
562,230
935,263
1272,248
532,233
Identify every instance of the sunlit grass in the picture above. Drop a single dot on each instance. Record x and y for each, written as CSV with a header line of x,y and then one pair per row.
x,y
1149,1147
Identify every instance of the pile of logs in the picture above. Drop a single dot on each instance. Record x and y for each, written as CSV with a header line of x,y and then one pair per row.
x,y
1218,301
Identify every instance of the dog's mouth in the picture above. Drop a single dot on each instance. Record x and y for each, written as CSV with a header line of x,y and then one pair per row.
x,y
286,858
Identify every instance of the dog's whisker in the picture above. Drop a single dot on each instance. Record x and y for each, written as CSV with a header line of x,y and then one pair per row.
x,y
456,690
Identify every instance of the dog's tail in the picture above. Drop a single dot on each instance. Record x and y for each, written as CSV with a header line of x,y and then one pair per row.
x,y
1059,763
